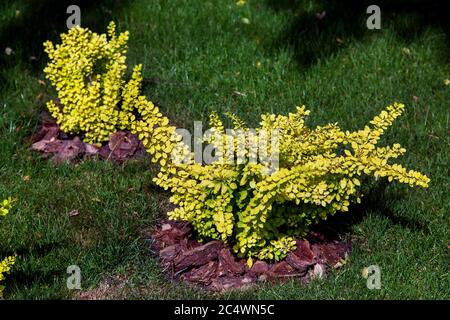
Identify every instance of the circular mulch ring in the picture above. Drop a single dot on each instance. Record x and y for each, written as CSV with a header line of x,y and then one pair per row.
x,y
52,142
212,264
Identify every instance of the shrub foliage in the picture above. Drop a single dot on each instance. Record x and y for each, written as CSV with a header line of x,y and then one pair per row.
x,y
320,173
7,263
257,210
87,70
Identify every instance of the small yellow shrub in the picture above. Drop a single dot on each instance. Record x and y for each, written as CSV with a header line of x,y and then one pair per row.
x,y
87,70
8,262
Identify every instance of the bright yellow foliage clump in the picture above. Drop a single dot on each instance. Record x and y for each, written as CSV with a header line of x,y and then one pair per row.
x,y
8,262
261,212
87,70
257,209
5,206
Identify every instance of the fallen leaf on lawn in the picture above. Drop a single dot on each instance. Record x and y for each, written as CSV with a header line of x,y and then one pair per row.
x,y
365,273
41,82
415,98
245,21
341,262
73,213
8,51
447,82
26,178
239,93
321,15
406,51
40,96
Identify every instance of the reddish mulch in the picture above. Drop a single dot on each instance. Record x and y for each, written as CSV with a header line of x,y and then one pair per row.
x,y
214,266
54,143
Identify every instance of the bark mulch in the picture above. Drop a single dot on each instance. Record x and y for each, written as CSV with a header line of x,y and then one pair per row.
x,y
50,141
214,266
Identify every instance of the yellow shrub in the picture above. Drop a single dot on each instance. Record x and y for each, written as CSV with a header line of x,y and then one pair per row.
x,y
7,263
261,212
87,70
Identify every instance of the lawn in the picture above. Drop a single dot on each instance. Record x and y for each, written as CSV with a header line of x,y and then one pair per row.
x,y
200,56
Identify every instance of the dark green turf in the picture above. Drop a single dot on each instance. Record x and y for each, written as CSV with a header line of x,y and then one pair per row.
x,y
196,56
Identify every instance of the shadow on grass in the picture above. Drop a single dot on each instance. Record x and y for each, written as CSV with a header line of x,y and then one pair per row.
x,y
374,202
26,274
43,20
318,36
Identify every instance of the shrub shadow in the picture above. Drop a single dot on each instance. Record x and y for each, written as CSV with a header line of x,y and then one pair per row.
x,y
317,36
44,20
374,202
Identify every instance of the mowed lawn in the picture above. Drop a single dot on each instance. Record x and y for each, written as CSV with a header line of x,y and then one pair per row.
x,y
200,56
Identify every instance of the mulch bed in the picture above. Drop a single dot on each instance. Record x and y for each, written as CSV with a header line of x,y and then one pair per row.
x,y
213,265
51,142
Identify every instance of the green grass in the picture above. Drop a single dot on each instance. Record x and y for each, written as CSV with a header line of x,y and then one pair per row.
x,y
198,55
